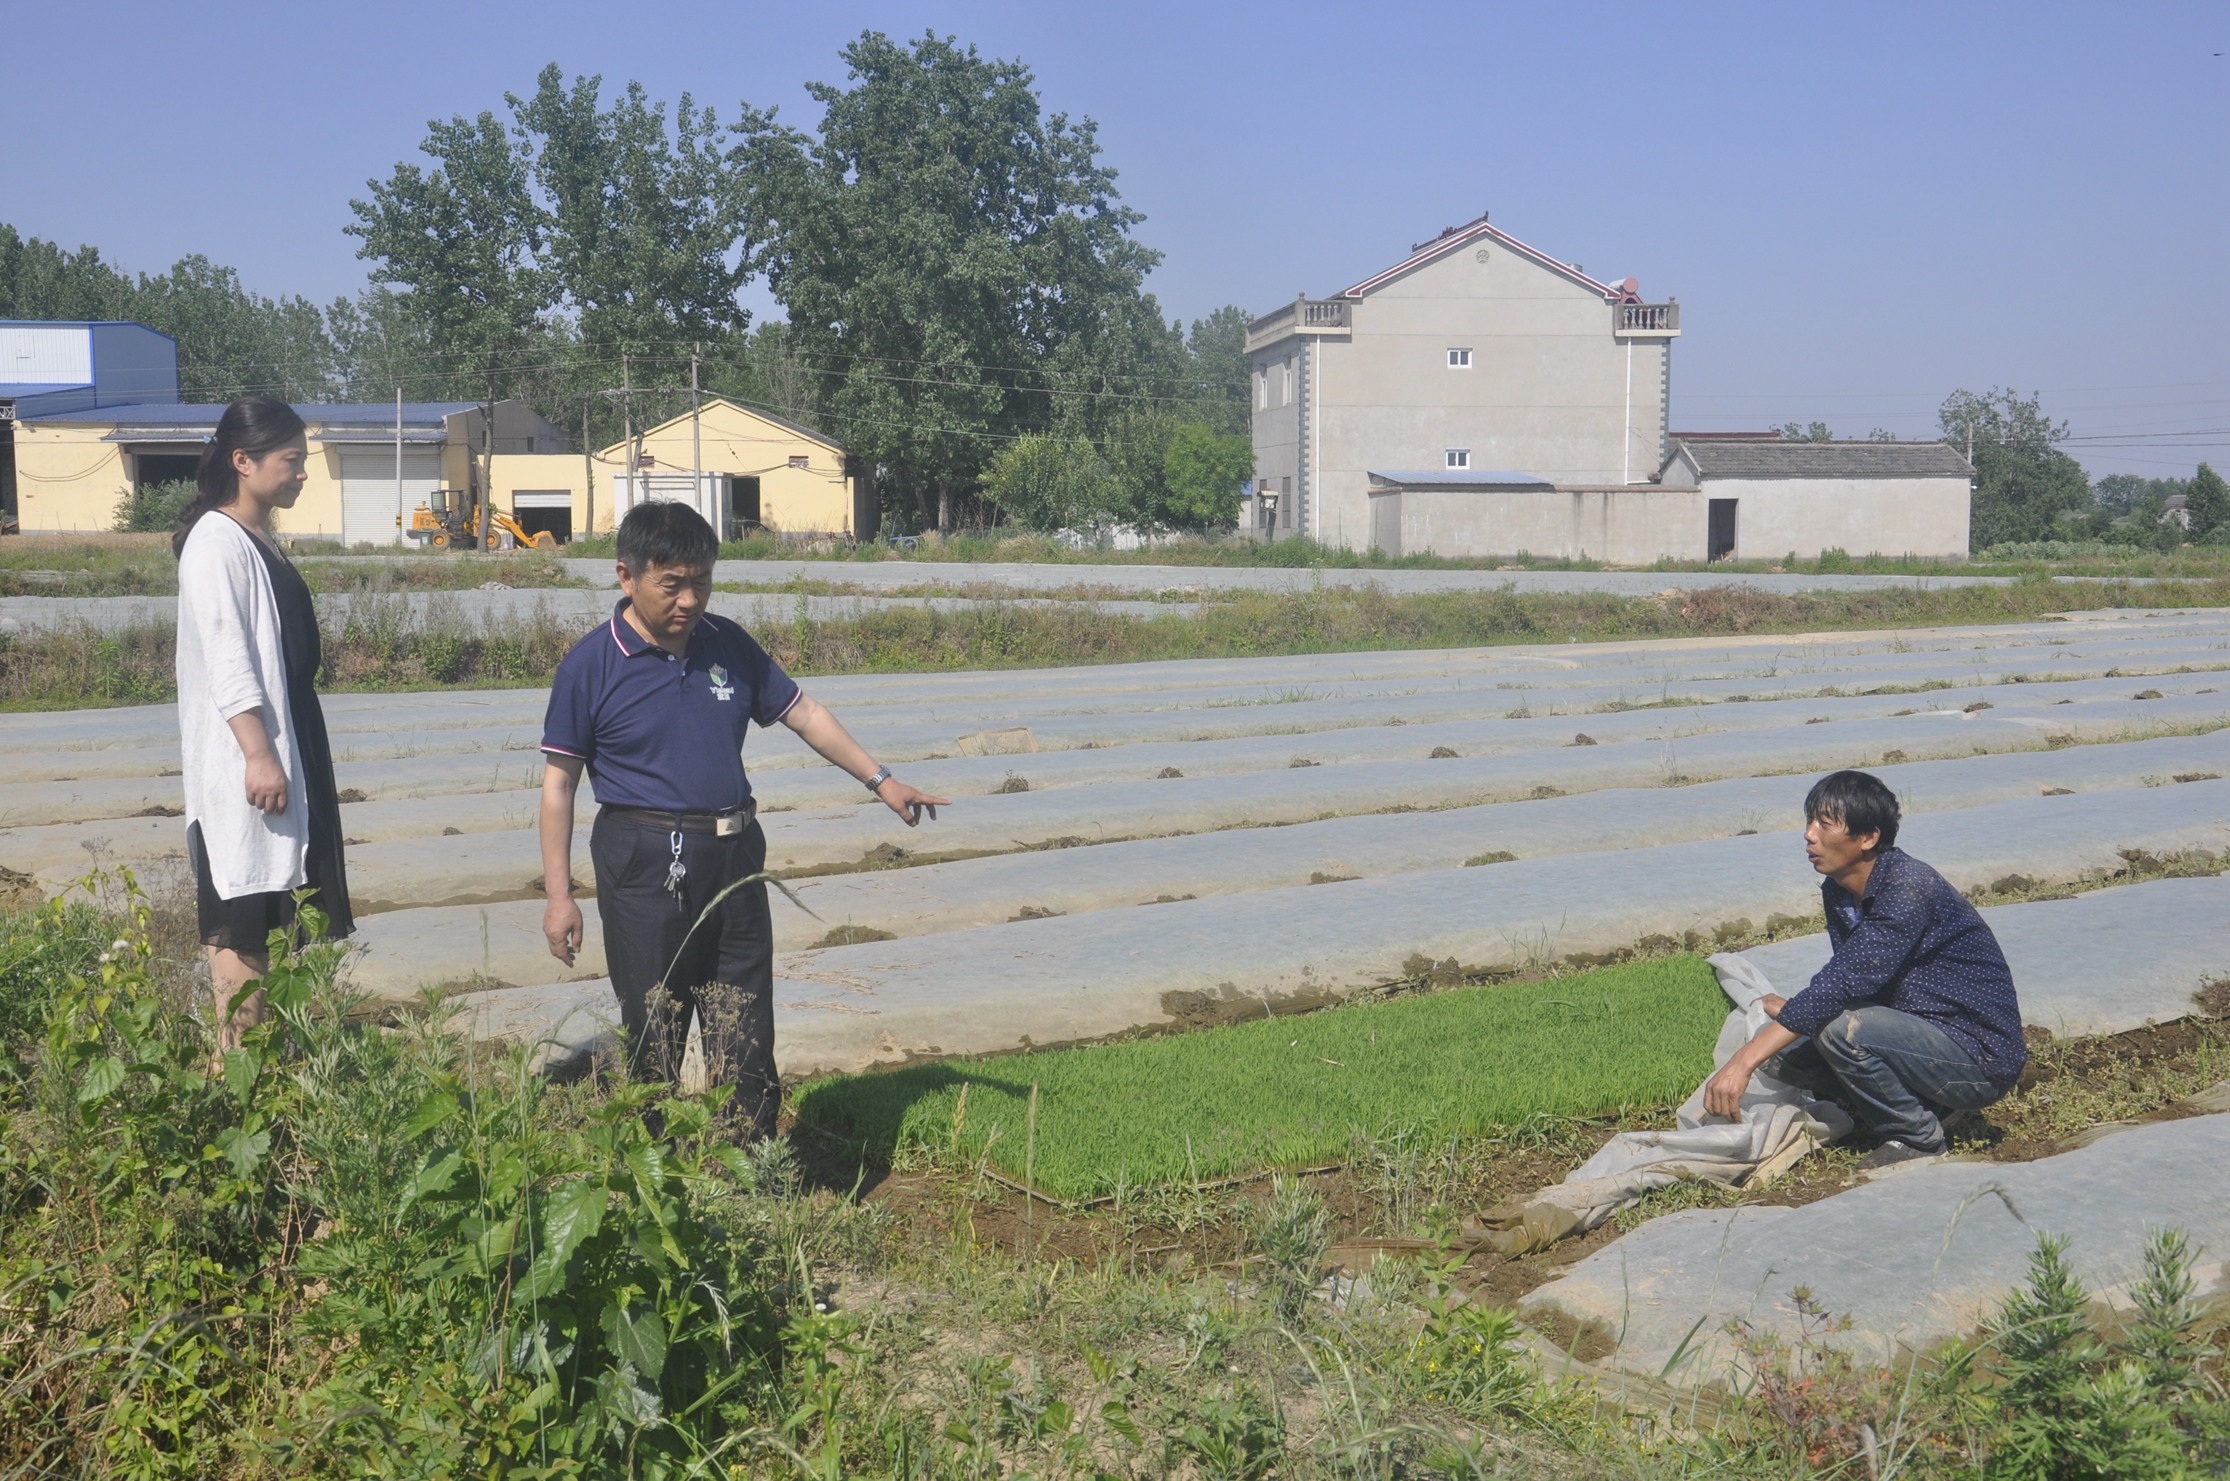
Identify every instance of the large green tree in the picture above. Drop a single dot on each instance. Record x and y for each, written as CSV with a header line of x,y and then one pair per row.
x,y
458,244
2206,503
643,226
538,254
955,264
1218,347
2023,482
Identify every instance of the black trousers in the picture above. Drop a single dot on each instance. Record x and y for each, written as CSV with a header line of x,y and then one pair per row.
x,y
726,976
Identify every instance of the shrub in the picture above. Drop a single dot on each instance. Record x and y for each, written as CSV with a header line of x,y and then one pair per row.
x,y
2071,1407
153,508
347,1249
1293,1231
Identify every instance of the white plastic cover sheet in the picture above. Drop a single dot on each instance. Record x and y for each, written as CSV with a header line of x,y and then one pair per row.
x,y
1778,1125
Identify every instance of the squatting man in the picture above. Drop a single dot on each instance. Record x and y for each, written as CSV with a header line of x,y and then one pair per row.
x,y
654,705
1914,1017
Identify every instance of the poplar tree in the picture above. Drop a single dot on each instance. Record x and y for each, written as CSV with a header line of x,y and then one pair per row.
x,y
954,261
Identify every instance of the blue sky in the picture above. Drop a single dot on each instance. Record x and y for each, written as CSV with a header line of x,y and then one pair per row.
x,y
1860,208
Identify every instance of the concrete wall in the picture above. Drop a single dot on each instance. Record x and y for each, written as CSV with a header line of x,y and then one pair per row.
x,y
1625,525
1550,390
1636,524
67,478
1864,516
1274,387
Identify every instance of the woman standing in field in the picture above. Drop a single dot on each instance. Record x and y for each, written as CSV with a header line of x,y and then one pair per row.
x,y
263,818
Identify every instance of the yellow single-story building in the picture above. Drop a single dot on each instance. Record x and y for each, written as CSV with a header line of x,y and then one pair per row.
x,y
742,470
370,465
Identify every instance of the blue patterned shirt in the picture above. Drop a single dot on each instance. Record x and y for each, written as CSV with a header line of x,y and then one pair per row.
x,y
1913,943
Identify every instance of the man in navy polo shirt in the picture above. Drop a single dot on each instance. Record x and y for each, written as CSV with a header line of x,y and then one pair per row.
x,y
655,703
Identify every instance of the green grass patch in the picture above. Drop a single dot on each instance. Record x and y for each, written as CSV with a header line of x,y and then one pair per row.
x,y
1291,1092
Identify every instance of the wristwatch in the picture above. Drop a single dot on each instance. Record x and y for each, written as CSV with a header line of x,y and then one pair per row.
x,y
875,782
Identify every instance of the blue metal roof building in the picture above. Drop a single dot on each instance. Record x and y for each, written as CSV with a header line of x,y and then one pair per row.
x,y
55,366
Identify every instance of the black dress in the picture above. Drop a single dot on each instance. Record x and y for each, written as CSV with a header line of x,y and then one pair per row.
x,y
246,922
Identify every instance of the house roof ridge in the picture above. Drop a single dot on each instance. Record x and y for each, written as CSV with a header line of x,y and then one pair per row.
x,y
1471,231
748,410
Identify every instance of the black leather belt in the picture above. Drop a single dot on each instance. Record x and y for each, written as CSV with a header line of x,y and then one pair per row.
x,y
713,824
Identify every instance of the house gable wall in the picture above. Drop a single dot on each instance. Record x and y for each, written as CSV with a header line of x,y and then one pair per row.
x,y
1547,391
816,498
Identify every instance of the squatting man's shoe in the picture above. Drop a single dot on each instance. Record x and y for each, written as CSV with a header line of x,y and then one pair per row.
x,y
1893,1152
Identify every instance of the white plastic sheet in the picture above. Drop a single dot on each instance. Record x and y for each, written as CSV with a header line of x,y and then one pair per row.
x,y
1776,1126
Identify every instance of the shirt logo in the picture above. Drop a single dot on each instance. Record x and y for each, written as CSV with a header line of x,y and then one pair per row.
x,y
721,688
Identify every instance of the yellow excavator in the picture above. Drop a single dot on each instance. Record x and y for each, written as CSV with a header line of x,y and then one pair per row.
x,y
452,522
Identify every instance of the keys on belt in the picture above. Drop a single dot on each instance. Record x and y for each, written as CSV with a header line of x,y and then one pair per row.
x,y
727,824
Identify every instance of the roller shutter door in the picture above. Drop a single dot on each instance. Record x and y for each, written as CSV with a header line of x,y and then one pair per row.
x,y
368,491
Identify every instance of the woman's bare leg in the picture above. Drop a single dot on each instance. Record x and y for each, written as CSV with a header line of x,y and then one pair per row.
x,y
229,971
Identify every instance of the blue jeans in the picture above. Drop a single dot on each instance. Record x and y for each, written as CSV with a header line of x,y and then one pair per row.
x,y
1899,1071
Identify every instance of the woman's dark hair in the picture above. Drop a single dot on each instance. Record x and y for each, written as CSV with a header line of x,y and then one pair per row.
x,y
663,533
255,425
1861,802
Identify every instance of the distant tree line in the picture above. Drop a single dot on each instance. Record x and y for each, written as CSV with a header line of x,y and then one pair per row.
x,y
2027,488
963,291
230,342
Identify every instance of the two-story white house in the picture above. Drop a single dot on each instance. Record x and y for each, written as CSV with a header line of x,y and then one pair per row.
x,y
1475,357
1482,398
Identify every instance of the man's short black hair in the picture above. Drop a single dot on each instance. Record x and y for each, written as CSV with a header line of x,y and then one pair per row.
x,y
663,533
1861,802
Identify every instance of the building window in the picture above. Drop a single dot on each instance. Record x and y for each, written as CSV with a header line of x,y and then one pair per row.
x,y
1262,390
1459,457
799,460
1459,359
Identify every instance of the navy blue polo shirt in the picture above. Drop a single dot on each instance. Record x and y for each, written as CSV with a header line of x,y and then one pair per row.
x,y
659,731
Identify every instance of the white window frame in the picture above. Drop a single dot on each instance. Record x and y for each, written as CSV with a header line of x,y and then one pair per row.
x,y
1459,357
1458,459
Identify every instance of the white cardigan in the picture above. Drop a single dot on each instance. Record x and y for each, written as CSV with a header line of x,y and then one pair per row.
x,y
230,661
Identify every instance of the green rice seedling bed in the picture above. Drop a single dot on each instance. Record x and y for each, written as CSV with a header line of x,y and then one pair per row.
x,y
1294,1092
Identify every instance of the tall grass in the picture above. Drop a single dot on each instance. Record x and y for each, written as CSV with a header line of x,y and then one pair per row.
x,y
1292,1092
382,645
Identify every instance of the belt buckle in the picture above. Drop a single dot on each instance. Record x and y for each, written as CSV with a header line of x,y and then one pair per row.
x,y
727,824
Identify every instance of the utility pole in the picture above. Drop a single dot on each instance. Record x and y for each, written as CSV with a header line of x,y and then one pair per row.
x,y
628,450
399,510
696,442
588,475
487,528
